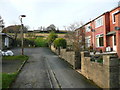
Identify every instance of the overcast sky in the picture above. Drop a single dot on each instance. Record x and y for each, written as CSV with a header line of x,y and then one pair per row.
x,y
58,12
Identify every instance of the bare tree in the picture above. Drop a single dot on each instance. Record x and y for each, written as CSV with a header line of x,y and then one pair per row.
x,y
75,36
1,24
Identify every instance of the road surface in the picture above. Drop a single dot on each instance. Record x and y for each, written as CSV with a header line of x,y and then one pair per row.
x,y
44,69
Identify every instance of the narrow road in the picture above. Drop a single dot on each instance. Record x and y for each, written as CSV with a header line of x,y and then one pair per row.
x,y
46,70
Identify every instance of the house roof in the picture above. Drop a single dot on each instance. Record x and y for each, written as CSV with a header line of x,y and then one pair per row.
x,y
117,13
114,8
98,17
91,20
4,34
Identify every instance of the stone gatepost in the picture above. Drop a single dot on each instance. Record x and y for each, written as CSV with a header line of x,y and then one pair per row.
x,y
114,72
77,60
112,62
83,55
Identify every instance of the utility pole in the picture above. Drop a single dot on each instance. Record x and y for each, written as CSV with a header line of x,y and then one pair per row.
x,y
22,37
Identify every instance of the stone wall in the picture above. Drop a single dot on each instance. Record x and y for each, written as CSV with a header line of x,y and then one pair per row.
x,y
68,56
105,75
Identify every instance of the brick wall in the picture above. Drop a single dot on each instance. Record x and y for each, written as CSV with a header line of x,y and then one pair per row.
x,y
118,34
105,75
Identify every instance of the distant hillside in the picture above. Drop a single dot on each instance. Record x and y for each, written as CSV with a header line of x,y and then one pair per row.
x,y
57,31
29,34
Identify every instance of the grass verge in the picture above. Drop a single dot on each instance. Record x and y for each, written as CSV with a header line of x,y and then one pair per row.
x,y
19,57
8,78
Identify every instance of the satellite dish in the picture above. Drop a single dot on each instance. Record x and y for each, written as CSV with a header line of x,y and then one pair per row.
x,y
117,28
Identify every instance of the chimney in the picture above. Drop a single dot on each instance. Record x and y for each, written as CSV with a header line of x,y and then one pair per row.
x,y
118,3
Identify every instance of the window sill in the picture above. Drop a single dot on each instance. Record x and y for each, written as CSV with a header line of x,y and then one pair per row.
x,y
98,26
100,46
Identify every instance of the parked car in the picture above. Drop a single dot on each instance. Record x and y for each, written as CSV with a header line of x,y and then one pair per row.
x,y
7,53
2,53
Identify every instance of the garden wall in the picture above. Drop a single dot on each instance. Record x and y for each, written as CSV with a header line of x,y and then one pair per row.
x,y
105,75
68,56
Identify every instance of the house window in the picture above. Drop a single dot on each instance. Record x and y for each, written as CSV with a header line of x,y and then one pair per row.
x,y
115,40
87,41
113,16
99,22
99,40
77,33
7,42
87,28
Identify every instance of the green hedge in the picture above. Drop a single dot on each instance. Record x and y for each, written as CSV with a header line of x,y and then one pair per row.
x,y
41,42
36,42
60,42
52,36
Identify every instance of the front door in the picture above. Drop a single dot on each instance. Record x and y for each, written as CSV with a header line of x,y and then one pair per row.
x,y
114,42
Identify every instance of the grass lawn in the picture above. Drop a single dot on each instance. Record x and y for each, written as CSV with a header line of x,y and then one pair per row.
x,y
8,78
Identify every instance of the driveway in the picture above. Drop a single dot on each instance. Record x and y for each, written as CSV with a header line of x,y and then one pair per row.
x,y
10,66
44,69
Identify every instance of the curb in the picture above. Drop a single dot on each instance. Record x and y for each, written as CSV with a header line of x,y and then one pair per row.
x,y
22,66
18,71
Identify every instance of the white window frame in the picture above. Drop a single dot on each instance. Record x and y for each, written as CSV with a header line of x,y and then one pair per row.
x,y
77,33
6,41
99,22
113,16
88,41
97,40
87,29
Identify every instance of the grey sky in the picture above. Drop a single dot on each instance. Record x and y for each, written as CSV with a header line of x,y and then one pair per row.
x,y
58,12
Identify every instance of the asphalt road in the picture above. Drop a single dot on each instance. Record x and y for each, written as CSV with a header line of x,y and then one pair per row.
x,y
44,69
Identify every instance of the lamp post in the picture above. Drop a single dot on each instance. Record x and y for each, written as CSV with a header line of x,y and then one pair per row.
x,y
22,38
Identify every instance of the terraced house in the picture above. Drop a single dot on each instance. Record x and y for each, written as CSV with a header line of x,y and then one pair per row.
x,y
103,32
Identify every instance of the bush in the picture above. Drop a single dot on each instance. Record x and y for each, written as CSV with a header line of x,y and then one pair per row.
x,y
26,43
31,42
60,42
52,36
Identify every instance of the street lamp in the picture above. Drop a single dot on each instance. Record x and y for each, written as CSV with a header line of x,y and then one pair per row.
x,y
22,38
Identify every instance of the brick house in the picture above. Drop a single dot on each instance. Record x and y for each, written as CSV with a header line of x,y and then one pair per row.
x,y
6,41
103,32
